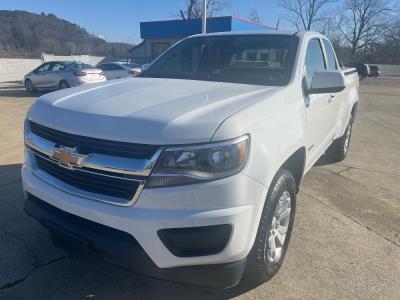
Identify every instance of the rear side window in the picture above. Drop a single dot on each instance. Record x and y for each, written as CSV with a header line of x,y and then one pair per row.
x,y
44,67
58,67
330,55
314,60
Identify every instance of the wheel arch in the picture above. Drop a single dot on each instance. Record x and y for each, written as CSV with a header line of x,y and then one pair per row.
x,y
295,164
354,110
63,80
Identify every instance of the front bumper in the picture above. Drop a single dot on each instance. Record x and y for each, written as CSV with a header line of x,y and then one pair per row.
x,y
236,201
80,235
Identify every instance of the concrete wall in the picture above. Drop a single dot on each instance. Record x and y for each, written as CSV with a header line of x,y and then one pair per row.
x,y
87,59
12,69
389,70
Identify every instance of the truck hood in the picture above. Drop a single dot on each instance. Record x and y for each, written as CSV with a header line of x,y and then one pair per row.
x,y
146,110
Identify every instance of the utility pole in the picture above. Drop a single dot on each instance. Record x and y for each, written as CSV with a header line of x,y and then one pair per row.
x,y
204,22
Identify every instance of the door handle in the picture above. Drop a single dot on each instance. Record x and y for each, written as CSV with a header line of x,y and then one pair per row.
x,y
331,97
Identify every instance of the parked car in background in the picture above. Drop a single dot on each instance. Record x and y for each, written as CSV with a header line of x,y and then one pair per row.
x,y
374,71
362,69
115,70
58,75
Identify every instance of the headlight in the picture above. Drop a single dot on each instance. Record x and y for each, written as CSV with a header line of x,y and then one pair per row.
x,y
199,163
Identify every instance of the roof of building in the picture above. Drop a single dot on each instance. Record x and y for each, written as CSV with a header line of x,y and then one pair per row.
x,y
252,32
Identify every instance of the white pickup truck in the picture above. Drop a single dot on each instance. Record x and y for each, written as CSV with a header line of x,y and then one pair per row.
x,y
190,171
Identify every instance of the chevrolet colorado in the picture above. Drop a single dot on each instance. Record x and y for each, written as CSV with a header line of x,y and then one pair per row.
x,y
190,171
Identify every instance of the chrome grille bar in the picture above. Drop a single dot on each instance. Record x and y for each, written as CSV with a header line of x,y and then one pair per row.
x,y
136,170
114,164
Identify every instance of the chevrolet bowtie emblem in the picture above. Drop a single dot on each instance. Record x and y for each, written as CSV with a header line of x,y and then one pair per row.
x,y
68,157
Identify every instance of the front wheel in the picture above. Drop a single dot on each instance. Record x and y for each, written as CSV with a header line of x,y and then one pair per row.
x,y
29,86
274,231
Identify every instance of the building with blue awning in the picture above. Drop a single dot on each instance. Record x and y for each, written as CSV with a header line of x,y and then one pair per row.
x,y
160,35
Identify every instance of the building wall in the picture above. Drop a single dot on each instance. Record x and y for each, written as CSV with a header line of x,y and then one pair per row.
x,y
173,28
138,54
171,31
150,43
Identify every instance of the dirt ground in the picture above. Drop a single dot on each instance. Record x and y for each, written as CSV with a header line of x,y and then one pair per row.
x,y
345,243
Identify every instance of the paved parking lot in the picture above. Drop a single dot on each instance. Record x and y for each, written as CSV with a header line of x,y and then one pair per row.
x,y
345,243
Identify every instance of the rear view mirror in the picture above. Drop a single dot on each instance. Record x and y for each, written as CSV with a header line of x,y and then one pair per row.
x,y
327,82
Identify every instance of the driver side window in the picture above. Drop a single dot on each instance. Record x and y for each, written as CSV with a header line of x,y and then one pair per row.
x,y
315,60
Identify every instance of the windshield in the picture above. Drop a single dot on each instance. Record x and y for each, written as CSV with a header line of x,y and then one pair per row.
x,y
248,59
77,65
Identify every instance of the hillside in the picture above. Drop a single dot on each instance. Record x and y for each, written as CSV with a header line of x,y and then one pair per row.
x,y
24,34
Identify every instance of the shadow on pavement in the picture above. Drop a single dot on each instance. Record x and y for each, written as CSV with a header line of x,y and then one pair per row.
x,y
9,173
16,89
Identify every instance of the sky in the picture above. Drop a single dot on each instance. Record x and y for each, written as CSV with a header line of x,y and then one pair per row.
x,y
118,20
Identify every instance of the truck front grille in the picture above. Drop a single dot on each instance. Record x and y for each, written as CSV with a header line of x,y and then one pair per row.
x,y
87,145
121,187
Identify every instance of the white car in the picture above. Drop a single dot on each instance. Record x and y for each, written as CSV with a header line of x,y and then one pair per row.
x,y
190,171
116,70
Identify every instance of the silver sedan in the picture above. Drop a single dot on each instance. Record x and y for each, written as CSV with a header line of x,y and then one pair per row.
x,y
57,75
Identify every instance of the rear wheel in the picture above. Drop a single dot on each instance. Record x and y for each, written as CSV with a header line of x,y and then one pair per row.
x,y
340,147
63,85
29,86
274,231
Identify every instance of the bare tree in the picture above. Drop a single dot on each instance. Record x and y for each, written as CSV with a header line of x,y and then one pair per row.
x,y
304,13
363,22
193,8
254,16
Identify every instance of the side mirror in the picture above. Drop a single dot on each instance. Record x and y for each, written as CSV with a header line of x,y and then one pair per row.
x,y
327,82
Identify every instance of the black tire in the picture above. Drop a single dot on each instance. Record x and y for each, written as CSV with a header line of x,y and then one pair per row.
x,y
29,87
259,267
63,85
337,152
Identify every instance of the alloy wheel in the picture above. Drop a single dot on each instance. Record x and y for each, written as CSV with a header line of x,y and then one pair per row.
x,y
63,85
279,227
29,86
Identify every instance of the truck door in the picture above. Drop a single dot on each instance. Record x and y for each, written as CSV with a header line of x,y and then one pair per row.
x,y
337,99
319,111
